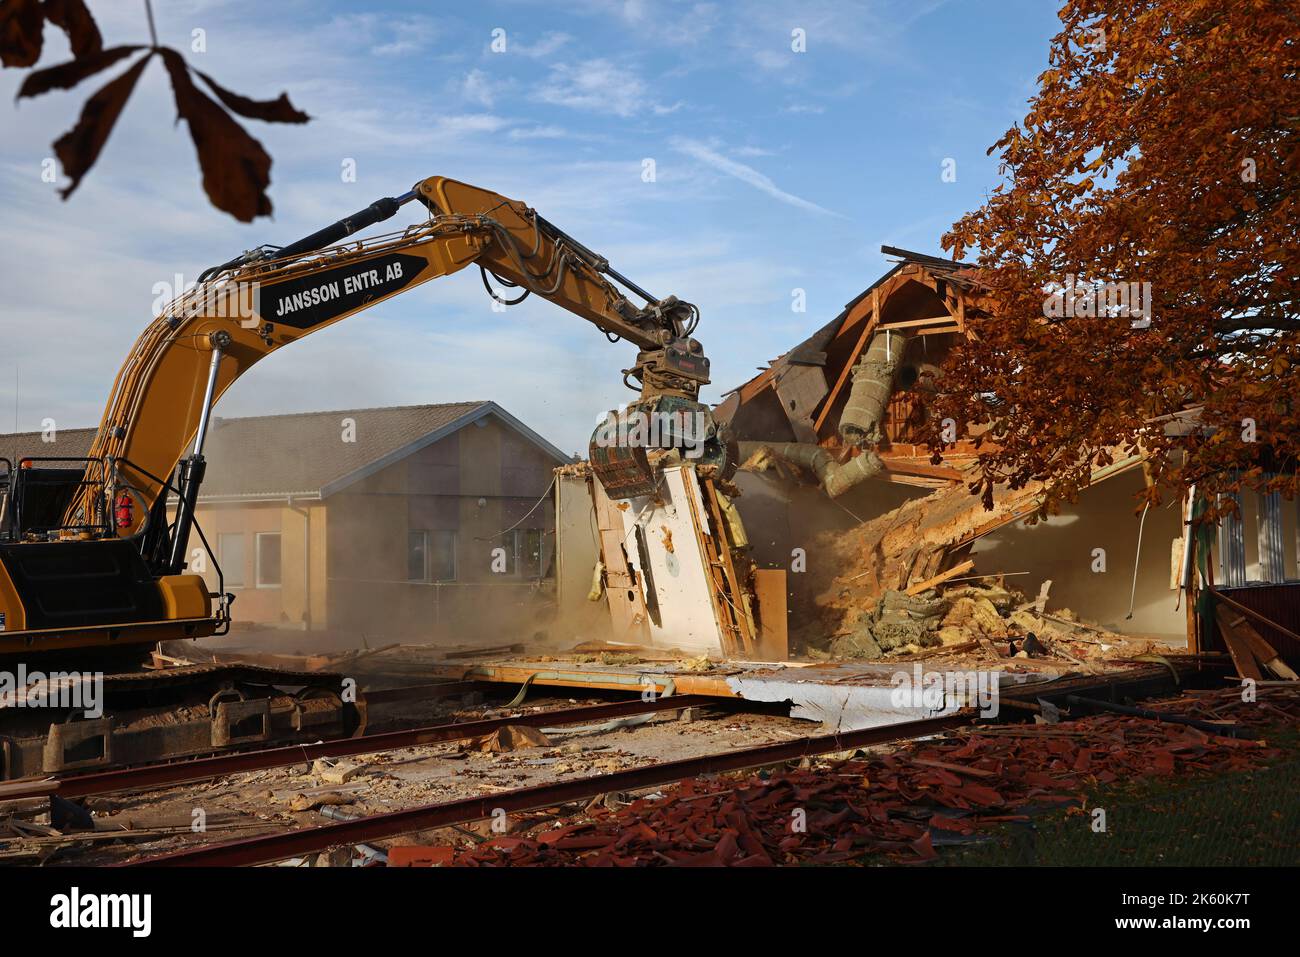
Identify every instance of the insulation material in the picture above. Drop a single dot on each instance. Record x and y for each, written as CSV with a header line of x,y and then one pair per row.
x,y
835,478
873,384
851,707
582,613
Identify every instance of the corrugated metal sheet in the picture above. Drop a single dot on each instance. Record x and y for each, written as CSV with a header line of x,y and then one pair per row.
x,y
1232,547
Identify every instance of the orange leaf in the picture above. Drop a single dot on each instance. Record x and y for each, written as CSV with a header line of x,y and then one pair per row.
x,y
78,148
21,23
236,170
65,76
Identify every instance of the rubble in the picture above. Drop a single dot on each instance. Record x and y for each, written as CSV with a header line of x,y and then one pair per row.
x,y
511,737
923,541
961,618
901,805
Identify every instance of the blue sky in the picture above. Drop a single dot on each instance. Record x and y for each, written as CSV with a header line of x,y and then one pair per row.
x,y
774,171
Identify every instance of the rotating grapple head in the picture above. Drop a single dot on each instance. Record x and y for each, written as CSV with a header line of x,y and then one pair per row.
x,y
632,445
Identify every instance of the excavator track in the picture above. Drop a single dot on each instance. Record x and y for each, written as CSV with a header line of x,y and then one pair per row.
x,y
166,714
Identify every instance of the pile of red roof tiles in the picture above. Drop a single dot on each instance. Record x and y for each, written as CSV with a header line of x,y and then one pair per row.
x,y
897,804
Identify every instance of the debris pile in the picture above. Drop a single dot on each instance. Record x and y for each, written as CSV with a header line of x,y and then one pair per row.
x,y
879,588
899,804
910,543
992,620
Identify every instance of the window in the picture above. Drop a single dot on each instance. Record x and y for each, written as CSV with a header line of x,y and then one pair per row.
x,y
230,553
268,559
431,556
442,565
528,552
417,556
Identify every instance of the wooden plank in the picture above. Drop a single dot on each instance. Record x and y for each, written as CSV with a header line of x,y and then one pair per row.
x,y
1251,613
919,323
942,577
922,469
916,481
1238,646
571,675
1265,653
773,614
728,627
867,329
729,569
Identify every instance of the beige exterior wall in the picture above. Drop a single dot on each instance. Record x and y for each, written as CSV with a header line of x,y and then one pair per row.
x,y
302,529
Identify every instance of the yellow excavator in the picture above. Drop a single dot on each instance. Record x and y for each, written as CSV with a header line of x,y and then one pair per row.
x,y
93,551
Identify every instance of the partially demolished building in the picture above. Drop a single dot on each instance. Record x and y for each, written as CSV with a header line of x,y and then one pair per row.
x,y
833,532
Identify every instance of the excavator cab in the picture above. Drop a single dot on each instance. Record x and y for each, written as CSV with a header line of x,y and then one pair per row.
x,y
117,594
38,493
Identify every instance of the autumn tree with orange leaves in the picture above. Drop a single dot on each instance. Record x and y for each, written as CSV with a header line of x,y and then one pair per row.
x,y
1160,154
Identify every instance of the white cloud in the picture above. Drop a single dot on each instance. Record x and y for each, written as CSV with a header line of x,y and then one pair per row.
x,y
406,35
663,23
773,59
547,44
598,86
867,32
538,133
478,87
472,123
746,174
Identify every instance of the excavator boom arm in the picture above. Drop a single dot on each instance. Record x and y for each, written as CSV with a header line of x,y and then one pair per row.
x,y
267,298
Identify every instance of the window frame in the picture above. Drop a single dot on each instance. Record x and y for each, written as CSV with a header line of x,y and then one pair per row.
x,y
519,552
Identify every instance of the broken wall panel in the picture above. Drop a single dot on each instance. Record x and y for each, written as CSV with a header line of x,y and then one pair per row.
x,y
577,553
662,538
